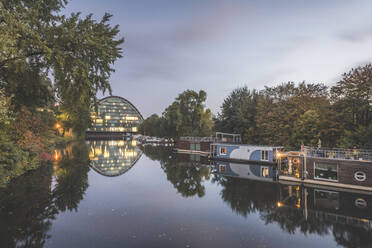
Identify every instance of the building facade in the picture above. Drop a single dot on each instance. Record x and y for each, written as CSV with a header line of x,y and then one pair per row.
x,y
115,115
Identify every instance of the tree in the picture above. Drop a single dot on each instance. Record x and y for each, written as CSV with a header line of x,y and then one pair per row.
x,y
280,108
238,113
353,96
186,116
77,52
307,128
152,126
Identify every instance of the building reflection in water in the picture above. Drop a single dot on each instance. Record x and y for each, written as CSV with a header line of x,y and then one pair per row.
x,y
113,157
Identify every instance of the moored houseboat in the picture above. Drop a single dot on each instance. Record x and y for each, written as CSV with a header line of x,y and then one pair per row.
x,y
244,153
347,168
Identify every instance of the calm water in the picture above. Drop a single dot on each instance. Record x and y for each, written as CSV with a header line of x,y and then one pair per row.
x,y
117,194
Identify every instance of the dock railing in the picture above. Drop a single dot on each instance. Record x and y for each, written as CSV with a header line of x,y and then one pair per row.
x,y
338,153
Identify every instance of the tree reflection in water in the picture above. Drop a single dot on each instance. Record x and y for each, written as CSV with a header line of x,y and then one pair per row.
x,y
285,205
26,209
71,173
248,196
29,204
185,172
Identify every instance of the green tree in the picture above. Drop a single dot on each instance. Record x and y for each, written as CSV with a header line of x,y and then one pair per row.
x,y
77,52
238,114
187,116
307,128
280,108
152,126
352,97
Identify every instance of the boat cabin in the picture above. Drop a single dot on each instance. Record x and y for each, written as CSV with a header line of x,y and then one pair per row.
x,y
244,153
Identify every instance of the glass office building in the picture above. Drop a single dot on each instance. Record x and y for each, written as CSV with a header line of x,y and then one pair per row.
x,y
116,114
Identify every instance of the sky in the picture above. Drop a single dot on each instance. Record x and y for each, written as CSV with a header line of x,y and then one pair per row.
x,y
217,46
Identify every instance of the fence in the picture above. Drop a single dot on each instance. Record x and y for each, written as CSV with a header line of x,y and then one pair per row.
x,y
332,153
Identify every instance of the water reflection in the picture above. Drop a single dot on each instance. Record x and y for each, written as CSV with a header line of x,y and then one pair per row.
x,y
71,176
185,172
344,214
247,171
29,204
32,203
244,195
26,210
113,157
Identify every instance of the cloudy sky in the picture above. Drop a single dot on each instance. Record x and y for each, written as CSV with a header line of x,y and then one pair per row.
x,y
215,45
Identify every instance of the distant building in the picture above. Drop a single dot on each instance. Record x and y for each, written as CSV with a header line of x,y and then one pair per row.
x,y
115,115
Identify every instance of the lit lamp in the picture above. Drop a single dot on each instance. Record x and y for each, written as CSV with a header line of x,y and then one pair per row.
x,y
58,126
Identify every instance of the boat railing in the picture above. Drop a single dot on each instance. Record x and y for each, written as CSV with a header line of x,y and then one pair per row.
x,y
198,139
339,153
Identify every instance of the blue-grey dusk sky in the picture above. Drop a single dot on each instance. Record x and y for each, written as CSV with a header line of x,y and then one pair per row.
x,y
174,45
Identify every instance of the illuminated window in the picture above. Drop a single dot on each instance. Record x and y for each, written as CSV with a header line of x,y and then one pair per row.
x,y
223,150
325,171
107,117
134,129
99,121
265,171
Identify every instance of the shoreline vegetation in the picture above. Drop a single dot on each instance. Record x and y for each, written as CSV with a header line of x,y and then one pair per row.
x,y
287,114
51,68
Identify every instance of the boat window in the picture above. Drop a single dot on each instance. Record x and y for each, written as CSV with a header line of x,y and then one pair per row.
x,y
324,199
265,155
326,171
265,171
223,150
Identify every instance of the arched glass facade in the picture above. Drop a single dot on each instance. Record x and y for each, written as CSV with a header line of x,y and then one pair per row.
x,y
114,157
115,114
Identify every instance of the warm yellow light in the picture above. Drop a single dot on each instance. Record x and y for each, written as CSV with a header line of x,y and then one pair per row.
x,y
107,117
134,143
279,204
298,205
58,126
131,118
98,151
134,129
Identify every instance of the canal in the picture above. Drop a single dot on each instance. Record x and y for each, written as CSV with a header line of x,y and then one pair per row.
x,y
120,194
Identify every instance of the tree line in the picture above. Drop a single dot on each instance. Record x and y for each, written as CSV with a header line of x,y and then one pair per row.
x,y
51,62
288,114
186,116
